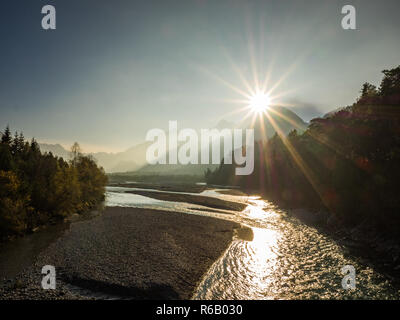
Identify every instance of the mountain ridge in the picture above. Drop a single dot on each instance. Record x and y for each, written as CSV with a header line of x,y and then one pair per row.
x,y
133,159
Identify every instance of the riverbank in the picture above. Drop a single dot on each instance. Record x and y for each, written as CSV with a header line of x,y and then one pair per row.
x,y
127,253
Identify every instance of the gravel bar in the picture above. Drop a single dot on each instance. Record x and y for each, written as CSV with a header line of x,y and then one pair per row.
x,y
127,253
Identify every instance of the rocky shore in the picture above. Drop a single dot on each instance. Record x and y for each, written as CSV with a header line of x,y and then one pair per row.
x,y
127,253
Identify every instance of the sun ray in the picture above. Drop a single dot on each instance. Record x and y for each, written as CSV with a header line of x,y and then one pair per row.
x,y
262,126
251,50
308,173
236,111
235,101
224,82
281,93
287,119
239,73
245,117
253,120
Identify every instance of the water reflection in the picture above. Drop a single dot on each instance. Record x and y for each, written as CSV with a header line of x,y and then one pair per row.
x,y
246,270
284,260
261,259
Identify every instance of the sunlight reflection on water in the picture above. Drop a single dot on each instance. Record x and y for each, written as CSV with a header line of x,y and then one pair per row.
x,y
245,271
284,260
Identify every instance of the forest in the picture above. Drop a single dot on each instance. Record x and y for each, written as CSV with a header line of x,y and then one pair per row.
x,y
38,188
346,163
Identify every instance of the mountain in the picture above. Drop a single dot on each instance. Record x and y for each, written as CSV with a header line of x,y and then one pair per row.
x,y
223,124
56,149
129,160
278,117
180,169
134,158
283,118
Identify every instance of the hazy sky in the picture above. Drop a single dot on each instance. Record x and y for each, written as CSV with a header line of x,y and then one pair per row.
x,y
114,69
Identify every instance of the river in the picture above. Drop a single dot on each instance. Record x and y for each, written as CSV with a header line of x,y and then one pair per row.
x,y
285,260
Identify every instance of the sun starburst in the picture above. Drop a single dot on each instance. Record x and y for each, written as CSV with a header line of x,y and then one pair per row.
x,y
259,102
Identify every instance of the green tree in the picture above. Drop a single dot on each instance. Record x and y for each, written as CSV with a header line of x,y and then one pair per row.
x,y
76,153
391,82
37,189
6,136
13,205
368,90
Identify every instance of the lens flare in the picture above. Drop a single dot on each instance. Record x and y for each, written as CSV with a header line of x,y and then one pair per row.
x,y
259,102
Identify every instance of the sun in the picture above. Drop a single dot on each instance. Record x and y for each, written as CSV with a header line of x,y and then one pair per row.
x,y
259,102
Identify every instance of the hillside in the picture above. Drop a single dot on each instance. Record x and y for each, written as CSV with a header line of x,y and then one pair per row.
x,y
345,163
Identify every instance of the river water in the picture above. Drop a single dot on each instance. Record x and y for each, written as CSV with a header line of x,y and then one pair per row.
x,y
285,260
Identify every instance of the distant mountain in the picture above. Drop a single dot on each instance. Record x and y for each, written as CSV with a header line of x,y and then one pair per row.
x,y
305,110
179,169
278,117
134,158
223,124
189,169
56,149
283,118
129,160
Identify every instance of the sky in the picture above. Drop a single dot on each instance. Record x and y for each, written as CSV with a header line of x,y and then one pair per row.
x,y
112,70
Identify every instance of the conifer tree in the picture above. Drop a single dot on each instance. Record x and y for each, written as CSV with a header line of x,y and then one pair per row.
x,y
6,136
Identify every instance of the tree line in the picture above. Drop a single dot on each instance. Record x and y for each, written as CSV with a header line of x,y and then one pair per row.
x,y
346,162
39,188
